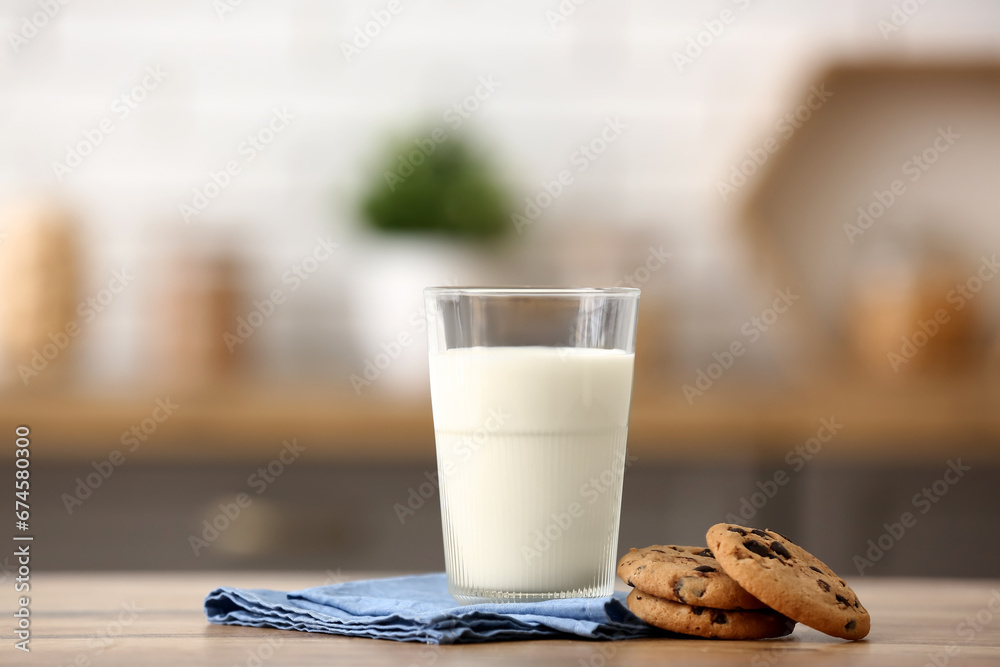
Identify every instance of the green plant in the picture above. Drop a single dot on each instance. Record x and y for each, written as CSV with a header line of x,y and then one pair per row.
x,y
452,191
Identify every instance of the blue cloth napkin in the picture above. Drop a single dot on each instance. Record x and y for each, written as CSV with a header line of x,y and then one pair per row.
x,y
419,609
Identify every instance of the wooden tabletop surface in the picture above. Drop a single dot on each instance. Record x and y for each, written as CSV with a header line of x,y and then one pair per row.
x,y
96,619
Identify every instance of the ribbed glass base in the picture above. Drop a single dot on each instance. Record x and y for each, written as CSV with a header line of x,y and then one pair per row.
x,y
498,597
531,516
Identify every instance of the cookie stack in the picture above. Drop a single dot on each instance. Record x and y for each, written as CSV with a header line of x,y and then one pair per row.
x,y
747,584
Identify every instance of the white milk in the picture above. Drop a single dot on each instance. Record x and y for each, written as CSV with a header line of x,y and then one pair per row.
x,y
531,451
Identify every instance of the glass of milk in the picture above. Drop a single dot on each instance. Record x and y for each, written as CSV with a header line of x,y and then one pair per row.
x,y
530,390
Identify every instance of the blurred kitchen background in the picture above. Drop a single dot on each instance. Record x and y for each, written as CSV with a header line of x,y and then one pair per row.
x,y
216,219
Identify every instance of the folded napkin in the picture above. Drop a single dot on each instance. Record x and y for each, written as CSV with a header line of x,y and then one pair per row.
x,y
419,609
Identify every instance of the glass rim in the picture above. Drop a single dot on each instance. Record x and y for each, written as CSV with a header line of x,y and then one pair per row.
x,y
532,291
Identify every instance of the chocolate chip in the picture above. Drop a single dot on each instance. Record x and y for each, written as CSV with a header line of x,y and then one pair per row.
x,y
737,529
842,582
697,610
822,584
704,568
857,603
787,539
842,600
676,549
851,624
760,533
638,597
659,551
706,552
779,548
815,569
719,618
758,548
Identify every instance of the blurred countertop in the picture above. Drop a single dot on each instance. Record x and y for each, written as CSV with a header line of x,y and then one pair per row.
x,y
849,420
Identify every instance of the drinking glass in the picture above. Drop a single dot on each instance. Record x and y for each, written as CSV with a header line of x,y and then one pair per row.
x,y
530,392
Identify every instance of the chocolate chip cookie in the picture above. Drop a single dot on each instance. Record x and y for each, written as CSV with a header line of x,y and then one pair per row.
x,y
789,579
690,575
705,622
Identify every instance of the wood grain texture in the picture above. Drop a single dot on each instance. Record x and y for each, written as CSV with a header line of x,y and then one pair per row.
x,y
81,619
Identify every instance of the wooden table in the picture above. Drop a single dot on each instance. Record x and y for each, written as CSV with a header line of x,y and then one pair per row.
x,y
156,619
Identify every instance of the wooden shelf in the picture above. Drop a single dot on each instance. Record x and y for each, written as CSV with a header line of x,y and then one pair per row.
x,y
226,426
930,423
